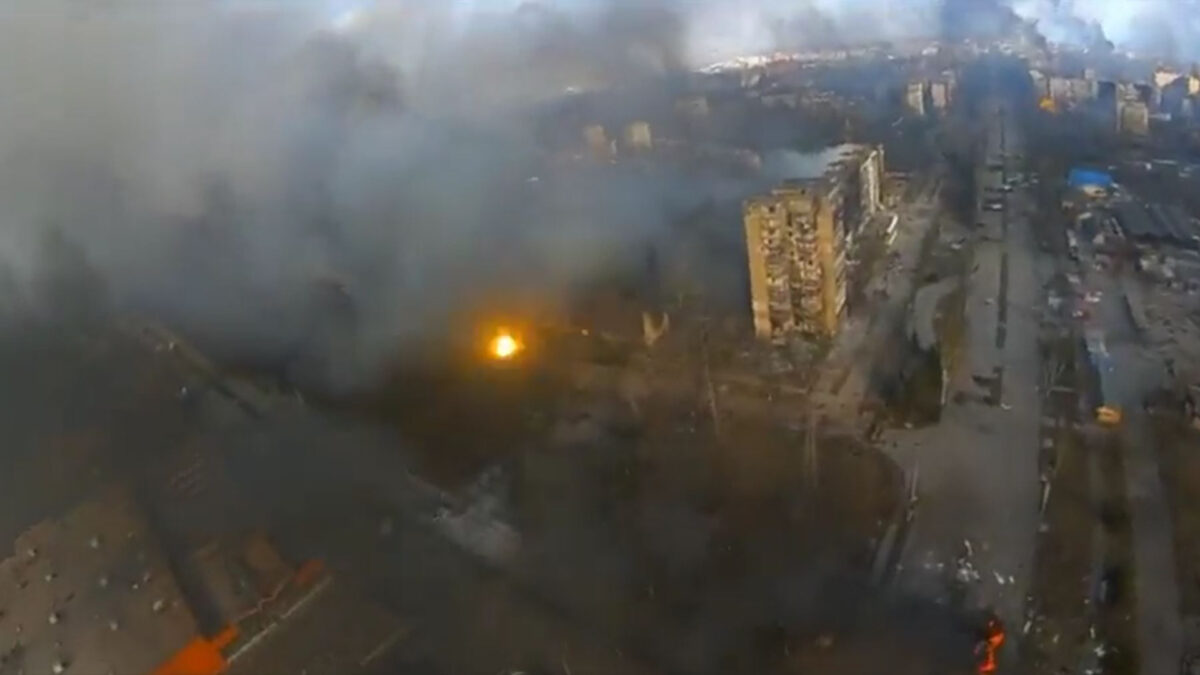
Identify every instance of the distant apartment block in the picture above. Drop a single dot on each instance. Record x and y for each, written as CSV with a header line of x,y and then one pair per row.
x,y
914,98
598,143
637,137
1133,118
939,95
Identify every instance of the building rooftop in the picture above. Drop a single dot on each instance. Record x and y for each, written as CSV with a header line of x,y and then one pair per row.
x,y
789,165
91,588
329,631
95,592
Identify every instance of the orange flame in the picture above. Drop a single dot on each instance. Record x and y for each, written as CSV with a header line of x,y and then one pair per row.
x,y
990,647
504,346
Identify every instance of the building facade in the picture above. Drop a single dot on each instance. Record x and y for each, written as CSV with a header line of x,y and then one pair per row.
x,y
866,169
798,239
794,238
1133,118
939,95
914,98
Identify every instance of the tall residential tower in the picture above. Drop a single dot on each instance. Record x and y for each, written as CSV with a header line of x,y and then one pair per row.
x,y
798,238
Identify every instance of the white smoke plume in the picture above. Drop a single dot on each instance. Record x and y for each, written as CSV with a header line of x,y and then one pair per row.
x,y
1168,29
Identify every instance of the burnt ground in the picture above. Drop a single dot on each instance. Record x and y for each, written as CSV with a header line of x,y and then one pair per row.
x,y
695,549
1118,600
1064,575
650,543
1179,469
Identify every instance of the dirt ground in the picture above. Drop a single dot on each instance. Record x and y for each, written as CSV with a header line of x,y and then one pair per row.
x,y
1062,579
677,536
1179,465
1115,623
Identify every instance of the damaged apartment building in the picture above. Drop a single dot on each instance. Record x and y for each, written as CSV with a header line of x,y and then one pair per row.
x,y
798,239
931,95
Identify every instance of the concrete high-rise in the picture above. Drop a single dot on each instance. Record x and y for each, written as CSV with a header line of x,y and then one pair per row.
x,y
795,242
798,238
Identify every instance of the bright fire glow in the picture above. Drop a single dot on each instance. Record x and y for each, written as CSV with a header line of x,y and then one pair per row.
x,y
504,346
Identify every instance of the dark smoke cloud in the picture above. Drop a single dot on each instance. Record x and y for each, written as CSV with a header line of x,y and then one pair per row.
x,y
283,190
239,173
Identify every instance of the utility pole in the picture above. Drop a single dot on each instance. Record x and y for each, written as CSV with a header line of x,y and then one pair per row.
x,y
708,383
811,459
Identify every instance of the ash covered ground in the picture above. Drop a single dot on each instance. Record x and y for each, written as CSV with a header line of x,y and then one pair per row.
x,y
657,546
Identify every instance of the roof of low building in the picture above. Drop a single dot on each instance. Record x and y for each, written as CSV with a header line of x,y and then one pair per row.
x,y
91,587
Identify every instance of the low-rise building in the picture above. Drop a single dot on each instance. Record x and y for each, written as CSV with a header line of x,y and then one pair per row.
x,y
597,142
1133,118
939,95
637,137
914,98
96,591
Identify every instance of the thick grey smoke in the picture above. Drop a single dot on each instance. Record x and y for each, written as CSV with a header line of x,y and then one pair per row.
x,y
285,182
240,173
1158,28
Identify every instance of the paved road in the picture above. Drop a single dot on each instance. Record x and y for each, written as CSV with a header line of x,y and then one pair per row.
x,y
978,468
845,376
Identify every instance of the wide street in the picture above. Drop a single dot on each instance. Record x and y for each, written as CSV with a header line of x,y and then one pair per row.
x,y
975,525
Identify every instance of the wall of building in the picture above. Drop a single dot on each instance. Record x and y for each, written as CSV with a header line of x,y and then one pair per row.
x,y
796,245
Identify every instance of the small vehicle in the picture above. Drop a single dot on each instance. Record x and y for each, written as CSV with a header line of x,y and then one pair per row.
x,y
1108,415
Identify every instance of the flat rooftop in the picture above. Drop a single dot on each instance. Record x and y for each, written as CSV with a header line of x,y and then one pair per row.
x,y
91,588
788,165
94,592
